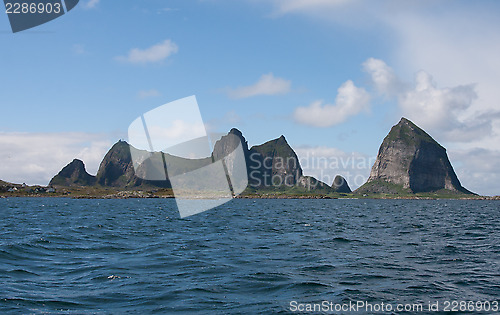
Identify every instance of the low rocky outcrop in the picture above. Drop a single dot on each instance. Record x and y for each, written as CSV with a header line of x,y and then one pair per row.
x,y
4,186
411,161
310,183
73,174
340,185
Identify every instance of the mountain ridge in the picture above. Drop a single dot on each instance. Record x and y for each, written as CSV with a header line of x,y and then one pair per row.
x,y
409,161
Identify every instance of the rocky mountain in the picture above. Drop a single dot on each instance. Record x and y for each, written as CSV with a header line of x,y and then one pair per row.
x,y
274,163
228,143
73,174
271,165
116,169
225,148
411,161
340,185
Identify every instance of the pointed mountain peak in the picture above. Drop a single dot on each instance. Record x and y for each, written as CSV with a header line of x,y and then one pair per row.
x,y
73,174
236,132
239,134
405,120
412,160
120,147
116,168
77,162
228,143
120,143
408,133
281,161
410,126
278,144
340,185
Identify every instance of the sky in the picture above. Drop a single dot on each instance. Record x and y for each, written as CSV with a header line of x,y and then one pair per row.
x,y
332,76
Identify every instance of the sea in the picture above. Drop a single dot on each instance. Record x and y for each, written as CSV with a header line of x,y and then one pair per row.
x,y
249,256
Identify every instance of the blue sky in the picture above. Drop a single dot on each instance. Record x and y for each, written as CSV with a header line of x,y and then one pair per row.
x,y
331,75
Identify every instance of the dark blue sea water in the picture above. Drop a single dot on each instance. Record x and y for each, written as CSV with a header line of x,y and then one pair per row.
x,y
136,256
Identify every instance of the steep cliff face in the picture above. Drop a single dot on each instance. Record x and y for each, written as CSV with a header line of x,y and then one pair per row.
x,y
412,160
274,163
228,143
73,174
116,169
226,147
340,185
262,161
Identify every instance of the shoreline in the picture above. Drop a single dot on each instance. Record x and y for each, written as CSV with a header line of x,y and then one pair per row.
x,y
141,195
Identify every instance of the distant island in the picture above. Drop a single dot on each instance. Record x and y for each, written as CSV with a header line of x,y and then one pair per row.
x,y
410,165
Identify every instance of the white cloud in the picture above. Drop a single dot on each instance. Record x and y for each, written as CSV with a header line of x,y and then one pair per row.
x,y
436,108
478,169
90,4
383,77
148,93
457,42
34,158
445,113
153,54
459,45
179,131
441,111
268,84
350,101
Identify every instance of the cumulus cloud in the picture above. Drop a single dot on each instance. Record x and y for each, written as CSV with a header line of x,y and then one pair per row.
x,y
478,169
177,132
153,54
148,93
350,101
436,107
383,77
458,46
442,111
34,158
268,84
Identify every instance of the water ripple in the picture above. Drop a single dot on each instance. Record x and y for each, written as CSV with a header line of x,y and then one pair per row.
x,y
248,256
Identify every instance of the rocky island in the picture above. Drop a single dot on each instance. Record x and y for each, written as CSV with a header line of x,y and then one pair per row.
x,y
410,164
410,161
